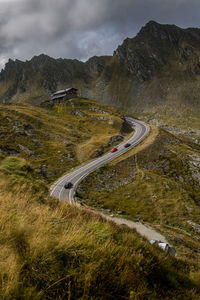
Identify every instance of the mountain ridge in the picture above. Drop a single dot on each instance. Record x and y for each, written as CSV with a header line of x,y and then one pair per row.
x,y
160,65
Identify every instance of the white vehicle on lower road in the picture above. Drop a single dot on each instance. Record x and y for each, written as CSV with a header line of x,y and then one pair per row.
x,y
163,246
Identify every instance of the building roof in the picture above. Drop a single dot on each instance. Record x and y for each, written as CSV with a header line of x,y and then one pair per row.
x,y
63,91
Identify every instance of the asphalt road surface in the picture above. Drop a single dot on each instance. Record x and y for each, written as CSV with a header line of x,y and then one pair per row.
x,y
58,190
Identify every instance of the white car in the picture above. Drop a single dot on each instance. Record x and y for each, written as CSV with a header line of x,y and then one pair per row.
x,y
164,246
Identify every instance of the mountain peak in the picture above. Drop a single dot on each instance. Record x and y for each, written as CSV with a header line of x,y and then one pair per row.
x,y
41,58
152,23
161,31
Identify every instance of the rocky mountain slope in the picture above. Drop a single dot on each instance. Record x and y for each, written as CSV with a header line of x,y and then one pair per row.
x,y
157,68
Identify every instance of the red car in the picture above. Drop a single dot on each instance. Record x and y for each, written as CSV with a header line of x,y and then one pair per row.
x,y
113,149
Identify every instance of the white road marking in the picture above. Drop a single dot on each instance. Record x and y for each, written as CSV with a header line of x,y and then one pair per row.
x,y
58,187
85,170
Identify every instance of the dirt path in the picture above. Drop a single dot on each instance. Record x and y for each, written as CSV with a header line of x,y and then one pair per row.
x,y
145,230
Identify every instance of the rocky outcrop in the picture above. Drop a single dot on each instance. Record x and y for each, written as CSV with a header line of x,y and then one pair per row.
x,y
25,150
155,46
194,225
113,141
194,163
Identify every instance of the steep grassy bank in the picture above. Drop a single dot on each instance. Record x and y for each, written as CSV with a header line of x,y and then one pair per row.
x,y
50,250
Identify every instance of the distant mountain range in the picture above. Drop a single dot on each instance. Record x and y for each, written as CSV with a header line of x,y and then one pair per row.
x,y
158,67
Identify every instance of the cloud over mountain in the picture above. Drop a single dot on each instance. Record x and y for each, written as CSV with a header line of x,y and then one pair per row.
x,y
81,28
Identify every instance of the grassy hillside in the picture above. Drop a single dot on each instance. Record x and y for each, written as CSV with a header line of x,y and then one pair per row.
x,y
176,119
56,139
158,182
50,250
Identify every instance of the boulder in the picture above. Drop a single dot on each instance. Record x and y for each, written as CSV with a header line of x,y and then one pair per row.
x,y
25,150
115,139
98,153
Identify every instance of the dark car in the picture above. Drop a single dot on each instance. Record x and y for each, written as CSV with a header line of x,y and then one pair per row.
x,y
68,185
127,145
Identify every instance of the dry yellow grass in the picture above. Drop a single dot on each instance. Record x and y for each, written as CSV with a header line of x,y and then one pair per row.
x,y
55,251
153,182
62,136
50,250
86,149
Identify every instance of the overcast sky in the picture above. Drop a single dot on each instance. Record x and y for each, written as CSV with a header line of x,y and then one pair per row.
x,y
82,28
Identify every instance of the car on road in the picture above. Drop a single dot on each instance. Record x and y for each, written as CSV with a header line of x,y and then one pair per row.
x,y
68,185
124,225
113,149
163,246
127,145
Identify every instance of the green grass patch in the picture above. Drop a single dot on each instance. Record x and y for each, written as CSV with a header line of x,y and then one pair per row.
x,y
13,165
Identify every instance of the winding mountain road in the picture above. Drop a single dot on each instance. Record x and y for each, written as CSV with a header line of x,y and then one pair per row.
x,y
59,192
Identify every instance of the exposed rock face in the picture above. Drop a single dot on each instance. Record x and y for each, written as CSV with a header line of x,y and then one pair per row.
x,y
195,226
98,152
113,141
41,75
8,151
96,65
25,150
160,65
155,46
194,163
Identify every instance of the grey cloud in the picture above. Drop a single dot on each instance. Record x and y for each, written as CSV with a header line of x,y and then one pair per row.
x,y
82,28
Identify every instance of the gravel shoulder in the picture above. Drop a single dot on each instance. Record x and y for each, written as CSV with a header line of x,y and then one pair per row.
x,y
145,230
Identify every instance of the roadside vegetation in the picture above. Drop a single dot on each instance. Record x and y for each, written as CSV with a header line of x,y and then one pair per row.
x,y
176,119
50,250
158,182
